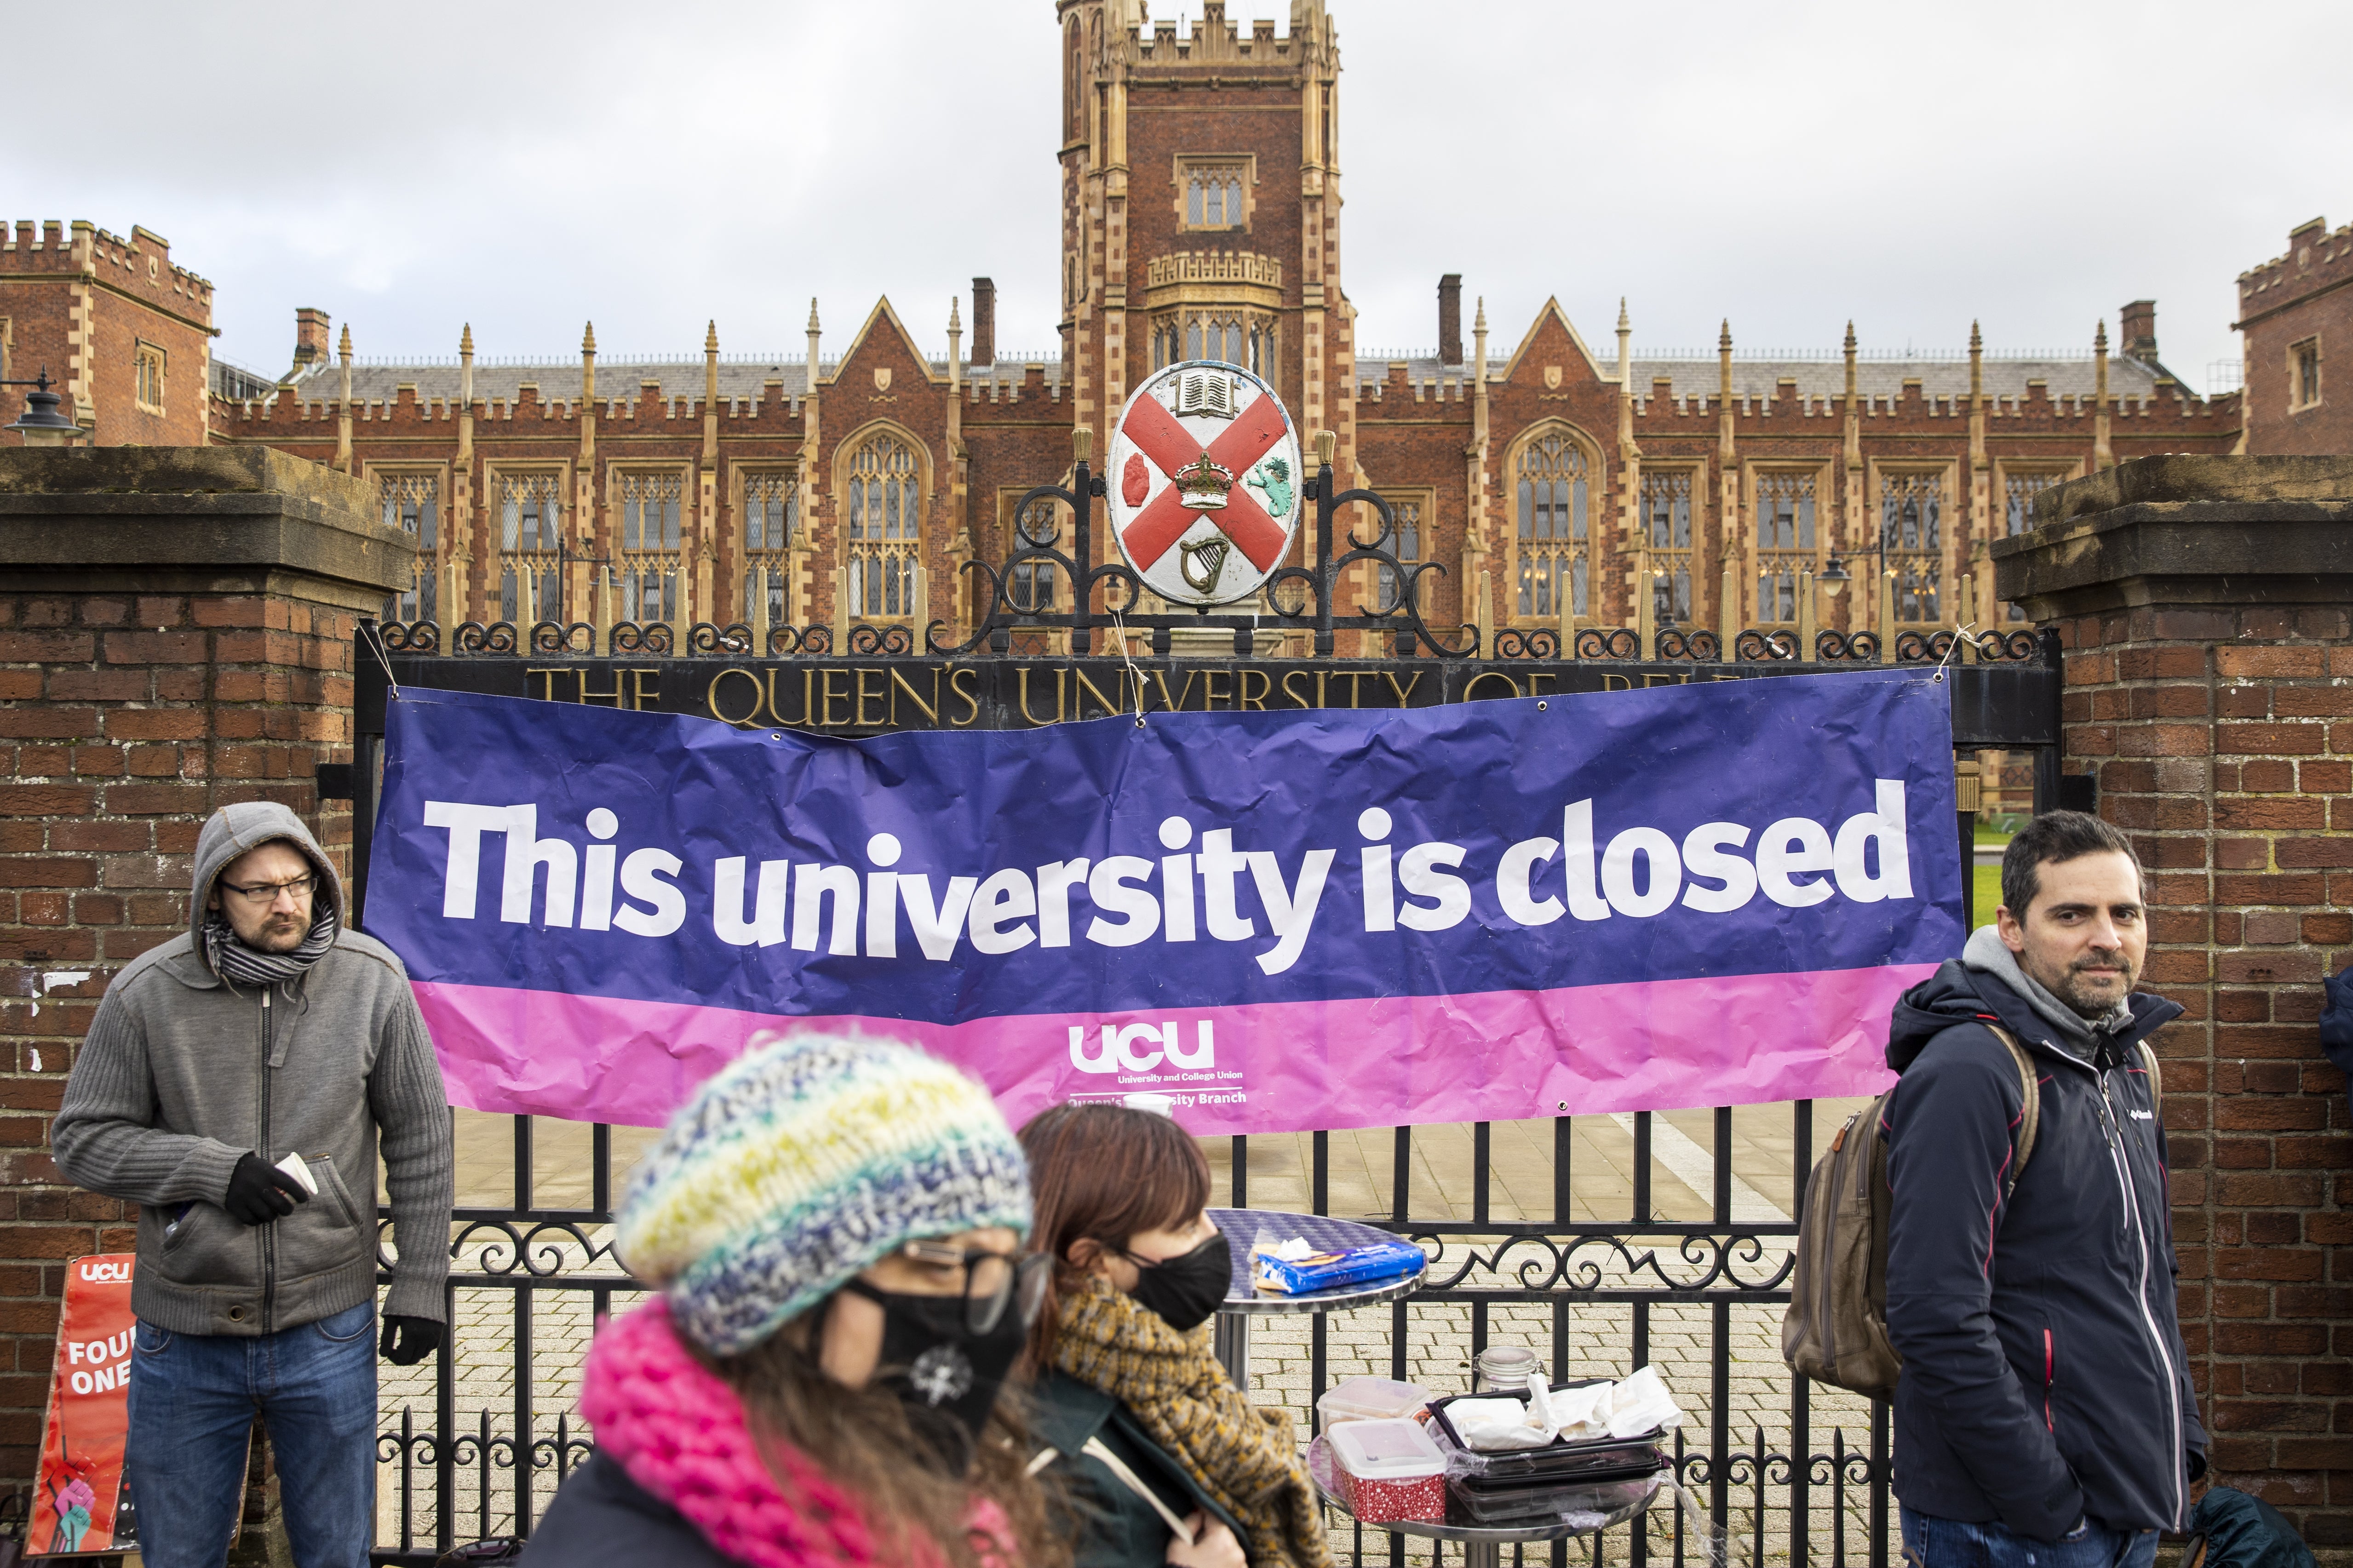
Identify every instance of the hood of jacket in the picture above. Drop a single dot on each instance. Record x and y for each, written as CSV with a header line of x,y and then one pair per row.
x,y
229,833
1964,990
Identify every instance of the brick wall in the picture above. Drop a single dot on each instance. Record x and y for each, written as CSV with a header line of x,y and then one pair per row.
x,y
2220,727
2302,296
126,717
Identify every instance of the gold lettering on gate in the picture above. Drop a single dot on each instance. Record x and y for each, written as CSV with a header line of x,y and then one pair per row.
x,y
750,719
808,681
1022,678
969,695
1176,703
613,695
829,697
876,694
1083,689
931,709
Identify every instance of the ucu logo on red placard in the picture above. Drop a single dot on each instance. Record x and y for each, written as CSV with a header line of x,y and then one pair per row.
x,y
106,1273
1141,1047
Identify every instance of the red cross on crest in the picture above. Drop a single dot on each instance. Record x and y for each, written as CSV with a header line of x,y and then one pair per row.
x,y
1205,466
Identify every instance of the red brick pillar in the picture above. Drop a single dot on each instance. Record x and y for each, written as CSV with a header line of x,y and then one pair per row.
x,y
175,634
2205,603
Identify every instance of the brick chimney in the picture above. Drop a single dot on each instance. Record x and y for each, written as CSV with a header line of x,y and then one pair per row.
x,y
984,321
2138,324
1450,319
311,344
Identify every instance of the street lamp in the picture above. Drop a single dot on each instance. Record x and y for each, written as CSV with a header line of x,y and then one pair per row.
x,y
1834,577
41,425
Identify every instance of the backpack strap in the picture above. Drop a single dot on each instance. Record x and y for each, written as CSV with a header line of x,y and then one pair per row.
x,y
2156,1077
2029,1119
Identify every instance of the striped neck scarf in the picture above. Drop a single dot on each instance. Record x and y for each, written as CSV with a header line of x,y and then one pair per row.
x,y
237,964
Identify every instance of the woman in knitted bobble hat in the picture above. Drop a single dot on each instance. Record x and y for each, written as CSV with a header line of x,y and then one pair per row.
x,y
834,1226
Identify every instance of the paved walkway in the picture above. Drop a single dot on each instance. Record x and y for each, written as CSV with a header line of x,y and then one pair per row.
x,y
497,1321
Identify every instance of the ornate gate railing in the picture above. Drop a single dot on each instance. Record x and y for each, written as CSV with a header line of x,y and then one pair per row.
x,y
1659,1236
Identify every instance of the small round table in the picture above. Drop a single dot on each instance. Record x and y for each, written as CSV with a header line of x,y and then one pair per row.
x,y
1482,1544
1244,1300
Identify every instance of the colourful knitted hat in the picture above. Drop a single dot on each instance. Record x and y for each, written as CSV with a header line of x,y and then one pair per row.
x,y
801,1163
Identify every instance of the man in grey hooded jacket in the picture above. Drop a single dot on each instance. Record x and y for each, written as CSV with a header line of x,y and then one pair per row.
x,y
235,1084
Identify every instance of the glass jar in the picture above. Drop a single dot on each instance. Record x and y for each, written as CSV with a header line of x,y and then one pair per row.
x,y
1505,1367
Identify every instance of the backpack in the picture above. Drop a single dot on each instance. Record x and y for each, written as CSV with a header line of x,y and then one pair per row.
x,y
1835,1330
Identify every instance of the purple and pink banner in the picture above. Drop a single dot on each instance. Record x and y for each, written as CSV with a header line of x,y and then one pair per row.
x,y
1707,894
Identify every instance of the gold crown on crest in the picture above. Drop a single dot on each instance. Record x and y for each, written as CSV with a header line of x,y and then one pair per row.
x,y
1203,486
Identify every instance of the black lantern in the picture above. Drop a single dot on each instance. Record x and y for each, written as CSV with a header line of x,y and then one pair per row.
x,y
41,423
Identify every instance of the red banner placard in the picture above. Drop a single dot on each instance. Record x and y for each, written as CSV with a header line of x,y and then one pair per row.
x,y
82,1502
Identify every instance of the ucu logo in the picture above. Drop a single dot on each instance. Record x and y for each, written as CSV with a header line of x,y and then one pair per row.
x,y
1118,1052
107,1273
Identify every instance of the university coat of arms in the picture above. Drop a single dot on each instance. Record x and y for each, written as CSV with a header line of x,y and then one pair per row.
x,y
1203,478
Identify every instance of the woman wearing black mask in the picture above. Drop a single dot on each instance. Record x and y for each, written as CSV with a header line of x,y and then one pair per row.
x,y
835,1227
1164,1460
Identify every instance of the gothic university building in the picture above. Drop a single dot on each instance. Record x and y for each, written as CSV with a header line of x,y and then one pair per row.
x,y
1552,474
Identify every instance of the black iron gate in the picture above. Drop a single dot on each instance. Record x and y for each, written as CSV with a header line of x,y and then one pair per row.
x,y
1692,1257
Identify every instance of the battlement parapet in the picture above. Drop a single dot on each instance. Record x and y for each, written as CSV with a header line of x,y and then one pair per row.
x,y
140,267
1214,41
1180,267
2316,259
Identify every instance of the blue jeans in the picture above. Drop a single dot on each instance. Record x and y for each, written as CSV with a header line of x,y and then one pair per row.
x,y
193,1400
1933,1542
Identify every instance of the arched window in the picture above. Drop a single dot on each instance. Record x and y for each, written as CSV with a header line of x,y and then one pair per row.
x,y
882,521
1406,544
651,504
772,515
531,510
2019,491
1911,532
1553,492
1213,197
411,504
1785,541
1667,526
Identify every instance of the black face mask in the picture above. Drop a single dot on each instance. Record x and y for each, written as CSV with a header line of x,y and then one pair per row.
x,y
947,1377
1185,1290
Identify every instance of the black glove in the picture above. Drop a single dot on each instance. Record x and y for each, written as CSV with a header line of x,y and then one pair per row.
x,y
408,1340
259,1191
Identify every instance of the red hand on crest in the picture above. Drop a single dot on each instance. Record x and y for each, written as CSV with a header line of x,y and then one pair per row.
x,y
1158,434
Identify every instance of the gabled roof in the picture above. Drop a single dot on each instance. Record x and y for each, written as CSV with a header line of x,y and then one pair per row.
x,y
1527,340
883,313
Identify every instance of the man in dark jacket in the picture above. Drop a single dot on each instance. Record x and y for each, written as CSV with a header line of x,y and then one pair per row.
x,y
2044,1415
238,1083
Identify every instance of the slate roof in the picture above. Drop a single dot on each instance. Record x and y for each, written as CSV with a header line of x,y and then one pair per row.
x,y
380,381
1939,375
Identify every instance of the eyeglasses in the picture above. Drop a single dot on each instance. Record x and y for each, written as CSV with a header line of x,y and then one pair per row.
x,y
267,893
991,1280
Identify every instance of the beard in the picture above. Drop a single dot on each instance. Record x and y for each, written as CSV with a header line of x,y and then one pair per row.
x,y
277,934
2091,995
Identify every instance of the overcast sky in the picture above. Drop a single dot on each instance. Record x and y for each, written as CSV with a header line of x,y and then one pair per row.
x,y
411,167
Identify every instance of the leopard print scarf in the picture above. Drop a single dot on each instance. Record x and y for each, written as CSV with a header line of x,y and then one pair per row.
x,y
1244,1456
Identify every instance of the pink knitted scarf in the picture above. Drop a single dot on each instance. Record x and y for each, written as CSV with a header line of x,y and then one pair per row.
x,y
680,1434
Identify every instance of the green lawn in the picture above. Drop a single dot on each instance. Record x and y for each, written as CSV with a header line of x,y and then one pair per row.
x,y
1987,892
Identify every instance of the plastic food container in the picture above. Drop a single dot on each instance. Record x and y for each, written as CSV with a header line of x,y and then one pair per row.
x,y
1388,1470
1370,1399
